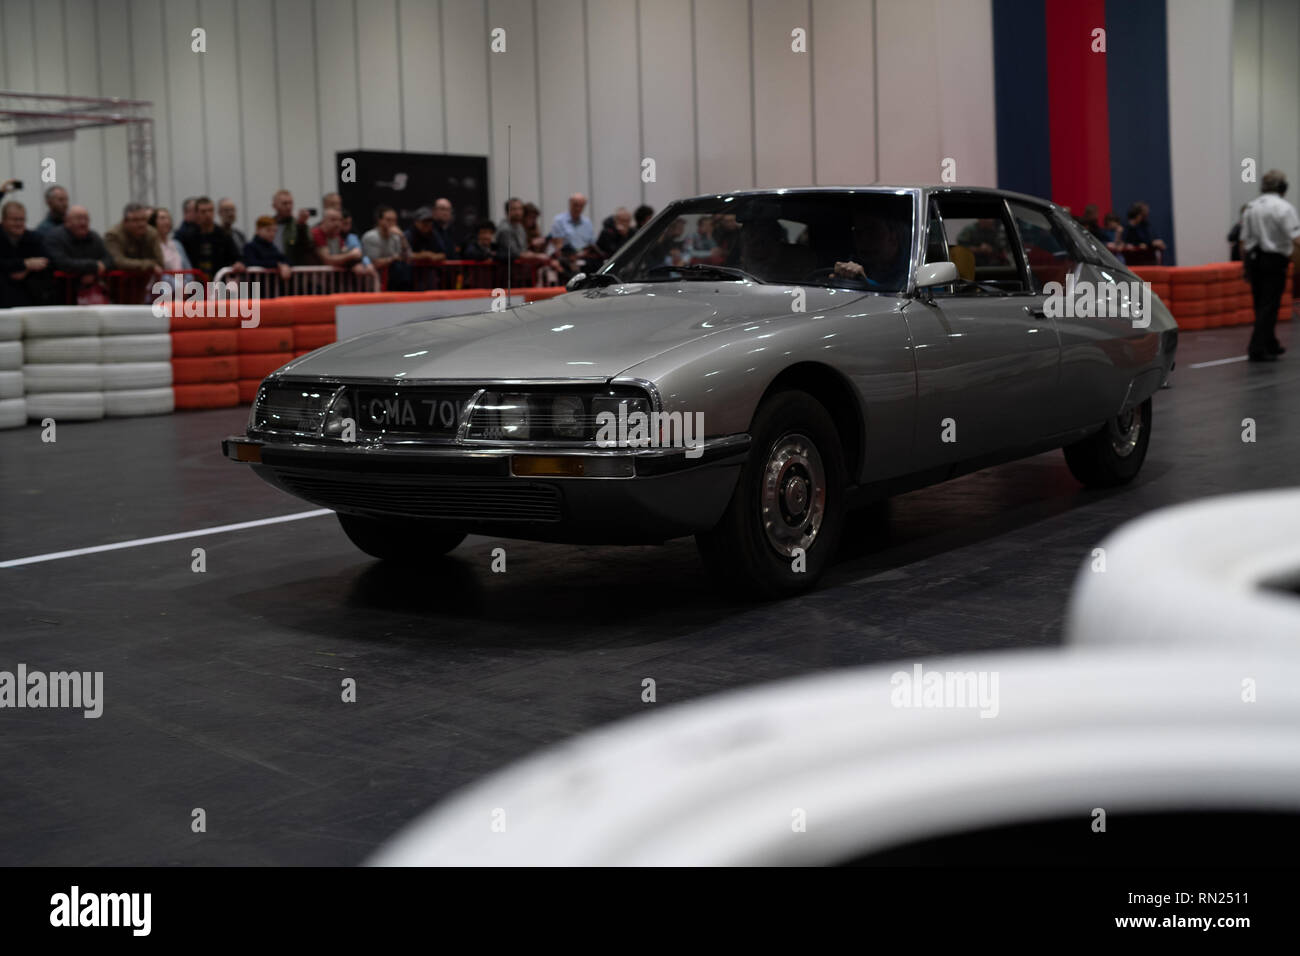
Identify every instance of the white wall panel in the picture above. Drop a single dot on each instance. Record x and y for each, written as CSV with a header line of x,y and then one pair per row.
x,y
513,75
667,99
465,77
187,168
20,64
1280,92
615,101
1200,43
7,144
783,115
561,108
841,47
724,117
909,90
87,151
381,88
52,77
113,42
1246,41
222,129
258,106
421,60
149,80
336,71
295,62
708,88
968,126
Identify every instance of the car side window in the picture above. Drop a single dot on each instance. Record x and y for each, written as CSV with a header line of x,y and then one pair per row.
x,y
979,244
1048,250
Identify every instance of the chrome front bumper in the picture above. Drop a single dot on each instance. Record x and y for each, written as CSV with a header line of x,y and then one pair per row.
x,y
595,496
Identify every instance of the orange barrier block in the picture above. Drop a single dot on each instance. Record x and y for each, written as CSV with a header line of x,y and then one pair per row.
x,y
204,342
261,365
272,339
225,395
1189,291
196,371
248,390
308,337
191,323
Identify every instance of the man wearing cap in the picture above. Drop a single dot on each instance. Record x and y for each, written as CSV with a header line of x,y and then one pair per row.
x,y
1270,235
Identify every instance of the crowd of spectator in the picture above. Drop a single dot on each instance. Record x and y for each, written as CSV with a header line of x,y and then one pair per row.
x,y
1133,242
147,244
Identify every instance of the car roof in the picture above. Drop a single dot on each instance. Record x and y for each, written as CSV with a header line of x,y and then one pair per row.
x,y
910,189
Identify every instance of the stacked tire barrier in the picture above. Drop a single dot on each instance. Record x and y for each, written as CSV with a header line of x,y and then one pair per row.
x,y
1209,296
82,363
13,406
79,363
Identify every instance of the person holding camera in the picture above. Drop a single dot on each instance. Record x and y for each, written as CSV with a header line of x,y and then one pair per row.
x,y
292,235
1270,236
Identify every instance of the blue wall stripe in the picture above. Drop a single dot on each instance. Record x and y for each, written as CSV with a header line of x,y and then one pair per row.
x,y
1137,74
1020,94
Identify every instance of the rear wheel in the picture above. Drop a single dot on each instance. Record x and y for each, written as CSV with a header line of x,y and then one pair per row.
x,y
1114,455
785,518
398,541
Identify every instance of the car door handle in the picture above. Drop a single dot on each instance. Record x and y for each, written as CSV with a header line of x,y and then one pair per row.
x,y
1036,311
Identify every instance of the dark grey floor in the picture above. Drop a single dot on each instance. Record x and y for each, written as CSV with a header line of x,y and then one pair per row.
x,y
223,688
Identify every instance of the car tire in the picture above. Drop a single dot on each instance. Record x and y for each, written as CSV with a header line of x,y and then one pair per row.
x,y
1112,456
793,480
393,541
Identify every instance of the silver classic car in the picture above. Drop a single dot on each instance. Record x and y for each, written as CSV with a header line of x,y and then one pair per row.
x,y
746,369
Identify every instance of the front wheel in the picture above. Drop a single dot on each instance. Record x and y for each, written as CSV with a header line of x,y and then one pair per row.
x,y
784,521
394,541
1114,455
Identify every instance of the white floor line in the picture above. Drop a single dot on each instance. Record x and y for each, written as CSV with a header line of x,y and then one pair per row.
x,y
138,542
1228,361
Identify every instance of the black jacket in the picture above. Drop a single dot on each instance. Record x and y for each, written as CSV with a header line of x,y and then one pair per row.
x,y
77,256
261,254
36,288
210,252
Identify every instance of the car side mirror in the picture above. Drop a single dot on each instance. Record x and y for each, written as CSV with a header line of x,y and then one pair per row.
x,y
936,274
576,282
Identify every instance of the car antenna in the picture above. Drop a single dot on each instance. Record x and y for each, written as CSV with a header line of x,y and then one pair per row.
x,y
509,258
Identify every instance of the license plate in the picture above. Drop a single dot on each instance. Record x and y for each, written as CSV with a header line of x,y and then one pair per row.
x,y
428,412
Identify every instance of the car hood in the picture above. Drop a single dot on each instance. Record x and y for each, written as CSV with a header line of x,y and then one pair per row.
x,y
596,333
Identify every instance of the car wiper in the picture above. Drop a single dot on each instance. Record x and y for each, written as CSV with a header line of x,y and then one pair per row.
x,y
593,280
705,270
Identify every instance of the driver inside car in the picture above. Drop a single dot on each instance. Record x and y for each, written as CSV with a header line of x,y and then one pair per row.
x,y
880,255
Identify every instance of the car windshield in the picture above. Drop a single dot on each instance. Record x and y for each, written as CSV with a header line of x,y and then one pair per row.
x,y
849,240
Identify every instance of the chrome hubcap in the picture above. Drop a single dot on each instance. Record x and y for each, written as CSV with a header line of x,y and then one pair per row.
x,y
1125,432
793,498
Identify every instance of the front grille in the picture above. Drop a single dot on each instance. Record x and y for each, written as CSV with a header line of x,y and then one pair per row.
x,y
419,496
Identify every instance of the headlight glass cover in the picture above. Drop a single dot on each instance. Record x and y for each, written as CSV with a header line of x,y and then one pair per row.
x,y
553,415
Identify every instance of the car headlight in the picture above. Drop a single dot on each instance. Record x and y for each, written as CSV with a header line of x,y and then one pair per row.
x,y
340,413
548,415
293,409
568,414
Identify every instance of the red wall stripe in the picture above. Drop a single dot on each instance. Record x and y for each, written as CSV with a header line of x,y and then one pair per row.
x,y
1078,113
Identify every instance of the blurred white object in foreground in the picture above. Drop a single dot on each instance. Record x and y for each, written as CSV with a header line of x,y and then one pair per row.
x,y
719,781
1210,573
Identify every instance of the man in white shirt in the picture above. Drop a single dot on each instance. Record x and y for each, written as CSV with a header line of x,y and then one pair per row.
x,y
1270,235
